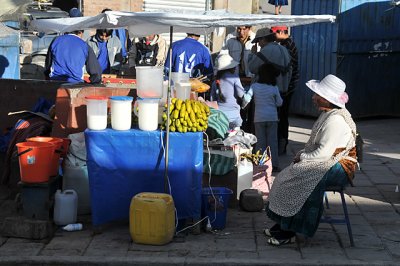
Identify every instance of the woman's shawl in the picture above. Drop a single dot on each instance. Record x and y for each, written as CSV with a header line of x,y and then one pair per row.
x,y
294,184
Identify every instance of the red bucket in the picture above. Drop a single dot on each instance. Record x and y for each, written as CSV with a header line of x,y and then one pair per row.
x,y
65,147
58,147
35,161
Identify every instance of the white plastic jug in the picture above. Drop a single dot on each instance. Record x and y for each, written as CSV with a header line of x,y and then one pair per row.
x,y
96,110
179,77
121,112
183,90
147,113
244,176
65,207
149,81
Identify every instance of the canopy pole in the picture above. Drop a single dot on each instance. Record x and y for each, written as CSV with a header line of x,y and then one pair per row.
x,y
166,187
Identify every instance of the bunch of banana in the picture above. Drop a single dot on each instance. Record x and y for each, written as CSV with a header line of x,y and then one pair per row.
x,y
186,116
199,86
254,158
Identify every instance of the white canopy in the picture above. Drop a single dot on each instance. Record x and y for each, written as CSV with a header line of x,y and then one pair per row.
x,y
144,23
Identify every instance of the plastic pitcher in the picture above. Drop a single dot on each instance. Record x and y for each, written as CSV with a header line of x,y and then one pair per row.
x,y
58,148
149,81
179,77
147,113
121,112
35,161
65,207
183,90
96,112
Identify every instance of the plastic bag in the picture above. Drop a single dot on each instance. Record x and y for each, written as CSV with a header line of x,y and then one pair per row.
x,y
262,175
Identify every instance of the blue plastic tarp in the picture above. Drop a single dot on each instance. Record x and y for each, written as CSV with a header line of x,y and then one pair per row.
x,y
124,163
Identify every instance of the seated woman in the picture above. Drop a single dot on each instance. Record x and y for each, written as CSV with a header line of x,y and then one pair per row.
x,y
329,158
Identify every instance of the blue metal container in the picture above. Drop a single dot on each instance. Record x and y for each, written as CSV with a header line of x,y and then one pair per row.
x,y
9,52
361,48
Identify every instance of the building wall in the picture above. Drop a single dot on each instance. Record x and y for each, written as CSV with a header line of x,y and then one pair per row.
x,y
94,7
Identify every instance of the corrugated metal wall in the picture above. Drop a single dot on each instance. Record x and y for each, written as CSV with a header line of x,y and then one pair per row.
x,y
362,48
9,52
317,46
173,5
368,56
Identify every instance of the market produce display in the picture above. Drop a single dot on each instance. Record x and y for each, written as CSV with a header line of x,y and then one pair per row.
x,y
186,116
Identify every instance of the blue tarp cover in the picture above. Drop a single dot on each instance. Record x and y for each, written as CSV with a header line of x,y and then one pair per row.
x,y
124,163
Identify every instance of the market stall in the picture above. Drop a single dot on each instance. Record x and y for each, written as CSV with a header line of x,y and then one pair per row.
x,y
124,163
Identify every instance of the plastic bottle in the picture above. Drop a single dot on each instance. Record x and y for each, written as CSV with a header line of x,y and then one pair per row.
x,y
73,227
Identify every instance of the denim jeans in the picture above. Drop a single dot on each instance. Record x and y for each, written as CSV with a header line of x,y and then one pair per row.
x,y
267,135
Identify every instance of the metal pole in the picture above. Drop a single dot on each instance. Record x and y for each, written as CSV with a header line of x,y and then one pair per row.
x,y
166,187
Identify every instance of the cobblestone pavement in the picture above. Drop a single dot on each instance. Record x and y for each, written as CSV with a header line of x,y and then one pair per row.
x,y
373,203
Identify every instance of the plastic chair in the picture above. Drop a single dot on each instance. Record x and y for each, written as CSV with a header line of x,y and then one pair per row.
x,y
327,219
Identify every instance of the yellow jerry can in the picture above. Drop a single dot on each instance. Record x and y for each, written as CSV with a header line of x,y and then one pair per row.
x,y
152,218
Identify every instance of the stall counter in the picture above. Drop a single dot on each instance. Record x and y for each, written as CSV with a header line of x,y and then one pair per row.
x,y
124,163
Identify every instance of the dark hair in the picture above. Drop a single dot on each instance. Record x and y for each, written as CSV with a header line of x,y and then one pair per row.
x,y
100,32
76,32
267,74
193,34
269,38
106,9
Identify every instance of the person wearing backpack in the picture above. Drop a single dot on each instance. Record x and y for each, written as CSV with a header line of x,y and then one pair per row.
x,y
273,53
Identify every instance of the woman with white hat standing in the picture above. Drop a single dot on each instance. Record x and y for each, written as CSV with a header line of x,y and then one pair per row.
x,y
227,89
328,159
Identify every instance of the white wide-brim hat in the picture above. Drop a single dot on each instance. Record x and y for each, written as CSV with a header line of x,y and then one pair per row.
x,y
225,61
330,88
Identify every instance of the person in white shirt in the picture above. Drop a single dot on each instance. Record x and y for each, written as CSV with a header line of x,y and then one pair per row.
x,y
328,159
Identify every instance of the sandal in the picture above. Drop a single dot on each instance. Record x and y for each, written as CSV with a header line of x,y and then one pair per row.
x,y
279,242
269,232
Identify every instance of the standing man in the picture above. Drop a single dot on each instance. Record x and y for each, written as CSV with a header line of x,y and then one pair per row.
x,y
107,49
190,56
282,36
148,51
273,53
123,36
239,47
67,57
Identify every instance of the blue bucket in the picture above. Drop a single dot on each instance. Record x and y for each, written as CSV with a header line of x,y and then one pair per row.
x,y
215,204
